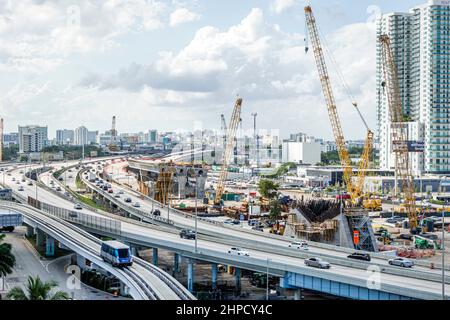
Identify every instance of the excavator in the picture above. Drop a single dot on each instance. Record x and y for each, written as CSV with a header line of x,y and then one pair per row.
x,y
354,188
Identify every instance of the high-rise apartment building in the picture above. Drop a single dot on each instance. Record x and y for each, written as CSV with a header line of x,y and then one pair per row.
x,y
420,42
32,138
64,136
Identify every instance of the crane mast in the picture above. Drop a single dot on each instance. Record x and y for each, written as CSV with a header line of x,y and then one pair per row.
x,y
399,129
227,153
329,97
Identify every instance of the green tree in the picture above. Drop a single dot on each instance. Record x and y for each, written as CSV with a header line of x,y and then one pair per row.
x,y
267,188
37,290
7,259
275,210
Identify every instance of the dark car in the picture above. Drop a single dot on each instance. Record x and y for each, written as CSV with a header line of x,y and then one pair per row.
x,y
359,256
187,234
156,212
127,199
405,236
429,236
258,228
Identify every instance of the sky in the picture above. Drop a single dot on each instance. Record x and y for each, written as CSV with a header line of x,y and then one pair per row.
x,y
179,64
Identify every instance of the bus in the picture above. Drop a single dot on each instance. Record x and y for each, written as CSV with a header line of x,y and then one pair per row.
x,y
116,253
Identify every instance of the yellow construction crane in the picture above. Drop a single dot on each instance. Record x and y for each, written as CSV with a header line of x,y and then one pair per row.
x,y
354,189
227,153
399,129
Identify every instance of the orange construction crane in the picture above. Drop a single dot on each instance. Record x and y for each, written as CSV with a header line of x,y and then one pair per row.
x,y
399,129
354,189
227,153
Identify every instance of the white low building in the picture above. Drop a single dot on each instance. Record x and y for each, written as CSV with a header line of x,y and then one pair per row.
x,y
301,152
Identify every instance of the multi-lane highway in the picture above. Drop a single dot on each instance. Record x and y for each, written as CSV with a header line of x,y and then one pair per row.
x,y
420,282
146,281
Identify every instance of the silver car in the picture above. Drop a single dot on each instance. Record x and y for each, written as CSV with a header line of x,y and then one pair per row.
x,y
317,263
401,262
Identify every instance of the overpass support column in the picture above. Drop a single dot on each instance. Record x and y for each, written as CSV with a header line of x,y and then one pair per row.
x,y
50,246
191,275
214,275
40,238
176,263
238,279
298,294
30,231
155,256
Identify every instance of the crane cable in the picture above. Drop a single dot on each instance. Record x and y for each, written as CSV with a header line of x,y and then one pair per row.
x,y
341,77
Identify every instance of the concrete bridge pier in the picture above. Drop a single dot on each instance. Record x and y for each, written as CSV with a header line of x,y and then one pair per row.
x,y
298,294
214,275
30,231
176,263
49,246
238,279
191,275
40,238
155,256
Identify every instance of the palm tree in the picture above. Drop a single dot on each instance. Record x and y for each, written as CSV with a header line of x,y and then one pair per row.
x,y
7,259
37,290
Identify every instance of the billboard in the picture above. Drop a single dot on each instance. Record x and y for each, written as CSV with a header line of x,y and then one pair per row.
x,y
413,146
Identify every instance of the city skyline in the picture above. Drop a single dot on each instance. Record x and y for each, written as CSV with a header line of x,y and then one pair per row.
x,y
89,76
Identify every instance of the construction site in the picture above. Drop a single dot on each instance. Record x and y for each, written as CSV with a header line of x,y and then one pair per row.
x,y
350,218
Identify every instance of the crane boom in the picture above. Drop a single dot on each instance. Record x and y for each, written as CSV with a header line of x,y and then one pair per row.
x,y
227,153
399,129
354,189
329,98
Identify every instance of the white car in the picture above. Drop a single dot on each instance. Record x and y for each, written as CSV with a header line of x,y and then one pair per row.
x,y
238,252
136,204
78,206
20,188
401,262
300,245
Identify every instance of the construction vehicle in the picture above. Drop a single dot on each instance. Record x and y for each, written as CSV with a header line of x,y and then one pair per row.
x,y
424,243
384,236
372,204
231,134
353,188
399,129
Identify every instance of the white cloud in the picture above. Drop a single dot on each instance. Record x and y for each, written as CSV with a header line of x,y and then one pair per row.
x,y
182,15
281,5
266,66
43,33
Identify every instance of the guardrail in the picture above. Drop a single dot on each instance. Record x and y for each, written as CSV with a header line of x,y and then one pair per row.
x,y
86,220
135,211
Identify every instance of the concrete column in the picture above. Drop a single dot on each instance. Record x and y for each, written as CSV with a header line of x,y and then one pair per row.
x,y
50,246
40,238
238,279
191,275
133,250
214,275
30,231
176,262
298,294
155,256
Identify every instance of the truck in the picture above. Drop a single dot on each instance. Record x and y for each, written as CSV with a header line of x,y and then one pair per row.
x,y
91,177
8,221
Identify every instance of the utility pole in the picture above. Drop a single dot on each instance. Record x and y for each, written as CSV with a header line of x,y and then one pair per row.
x,y
443,251
256,139
196,210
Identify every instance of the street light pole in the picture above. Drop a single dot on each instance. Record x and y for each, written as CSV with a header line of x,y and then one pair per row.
x,y
443,251
196,212
267,280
